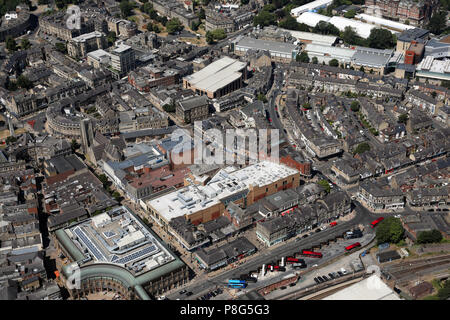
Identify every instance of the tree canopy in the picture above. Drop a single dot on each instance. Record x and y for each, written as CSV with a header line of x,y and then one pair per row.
x,y
431,236
381,39
437,22
403,118
264,18
325,184
354,106
362,147
334,63
174,25
390,230
302,57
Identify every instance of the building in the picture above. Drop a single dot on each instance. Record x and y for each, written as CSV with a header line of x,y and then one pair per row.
x,y
380,22
387,256
218,78
416,12
201,204
116,252
233,251
417,223
123,60
438,48
311,7
421,290
282,52
405,38
433,70
377,198
79,46
15,24
192,109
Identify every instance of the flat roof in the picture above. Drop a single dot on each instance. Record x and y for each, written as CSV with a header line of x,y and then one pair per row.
x,y
271,46
217,74
87,36
371,288
384,22
313,37
227,184
310,6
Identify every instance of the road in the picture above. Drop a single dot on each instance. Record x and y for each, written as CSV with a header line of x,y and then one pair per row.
x,y
363,216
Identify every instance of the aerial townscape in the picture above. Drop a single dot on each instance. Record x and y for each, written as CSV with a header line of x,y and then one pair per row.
x,y
224,150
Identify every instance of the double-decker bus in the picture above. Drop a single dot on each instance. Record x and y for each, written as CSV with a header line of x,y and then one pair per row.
x,y
311,254
352,246
332,224
294,260
374,223
237,283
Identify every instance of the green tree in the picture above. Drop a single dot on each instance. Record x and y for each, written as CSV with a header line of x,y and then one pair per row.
x,y
437,22
326,28
209,37
324,183
381,39
264,18
361,148
25,44
174,25
315,60
350,14
103,179
126,8
61,47
74,145
334,63
302,57
354,106
169,107
11,44
262,97
219,34
390,230
289,22
111,37
403,118
431,236
350,36
24,82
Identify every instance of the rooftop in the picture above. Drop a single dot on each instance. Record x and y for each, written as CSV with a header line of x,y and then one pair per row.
x,y
225,186
217,74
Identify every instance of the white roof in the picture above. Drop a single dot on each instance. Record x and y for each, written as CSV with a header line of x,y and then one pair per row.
x,y
101,218
87,36
313,37
99,54
217,74
310,6
384,22
311,18
372,288
335,52
225,183
130,238
121,48
361,28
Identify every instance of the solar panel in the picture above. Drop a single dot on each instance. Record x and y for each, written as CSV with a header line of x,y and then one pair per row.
x,y
91,247
138,254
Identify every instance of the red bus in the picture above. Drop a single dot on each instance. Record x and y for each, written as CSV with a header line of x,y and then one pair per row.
x,y
374,223
294,260
311,254
352,246
333,224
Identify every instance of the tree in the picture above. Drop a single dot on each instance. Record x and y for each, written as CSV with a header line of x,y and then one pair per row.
x,y
202,14
289,23
111,37
169,107
24,82
361,148
302,57
11,44
350,14
324,27
75,145
25,44
126,8
403,118
103,179
209,37
174,25
334,63
195,25
61,47
431,236
437,22
219,34
354,106
324,183
390,230
262,97
350,36
264,18
380,39
315,60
